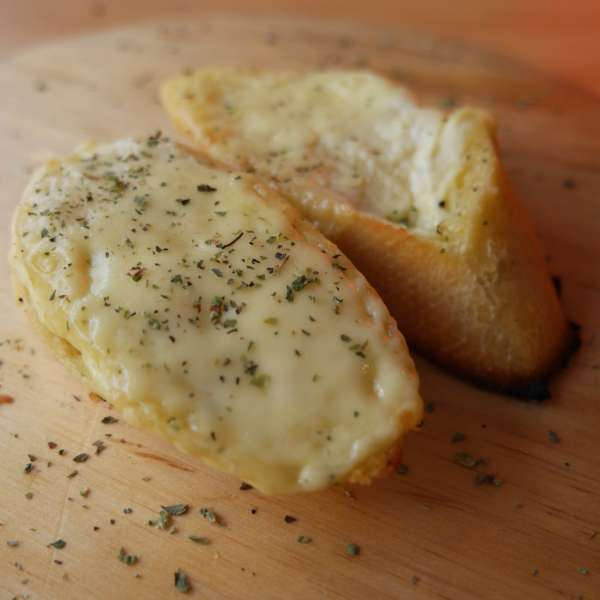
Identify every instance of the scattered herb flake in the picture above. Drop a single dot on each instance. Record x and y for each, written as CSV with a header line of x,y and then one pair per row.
x,y
211,516
261,380
583,571
81,458
163,522
182,582
352,549
128,559
553,437
203,541
99,445
304,539
204,187
289,519
464,459
245,486
109,420
483,478
176,509
58,544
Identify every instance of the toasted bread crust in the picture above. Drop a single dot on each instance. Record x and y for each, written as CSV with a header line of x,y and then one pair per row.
x,y
459,327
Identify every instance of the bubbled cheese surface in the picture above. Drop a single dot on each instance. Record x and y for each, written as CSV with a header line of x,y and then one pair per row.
x,y
198,303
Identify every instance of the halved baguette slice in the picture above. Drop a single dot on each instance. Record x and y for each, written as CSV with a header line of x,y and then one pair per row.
x,y
416,198
203,306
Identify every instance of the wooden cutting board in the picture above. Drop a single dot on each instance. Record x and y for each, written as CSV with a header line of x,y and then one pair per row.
x,y
428,533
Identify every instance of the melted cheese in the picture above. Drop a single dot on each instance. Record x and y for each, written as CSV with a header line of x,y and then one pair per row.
x,y
197,303
349,133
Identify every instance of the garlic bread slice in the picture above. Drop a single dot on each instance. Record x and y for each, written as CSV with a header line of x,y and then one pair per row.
x,y
203,306
415,197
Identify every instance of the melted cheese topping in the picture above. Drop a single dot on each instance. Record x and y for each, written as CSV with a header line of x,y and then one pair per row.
x,y
348,132
194,301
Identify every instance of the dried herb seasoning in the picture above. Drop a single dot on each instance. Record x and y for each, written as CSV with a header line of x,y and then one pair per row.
x,y
58,544
553,437
163,521
109,420
245,486
464,459
211,516
304,539
176,509
99,445
352,549
487,479
81,458
203,541
204,187
125,557
182,582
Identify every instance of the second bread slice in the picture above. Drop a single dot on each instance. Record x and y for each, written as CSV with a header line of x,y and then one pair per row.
x,y
416,198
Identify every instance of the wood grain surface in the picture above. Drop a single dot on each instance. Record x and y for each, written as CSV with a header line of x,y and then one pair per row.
x,y
428,533
558,36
